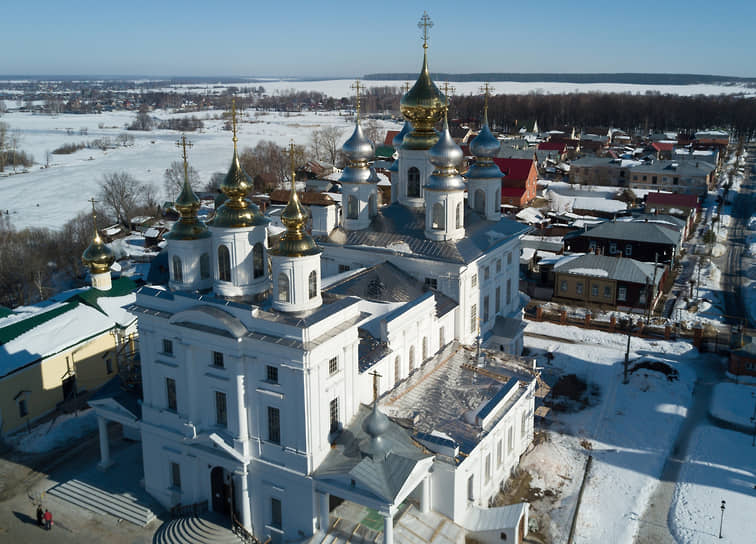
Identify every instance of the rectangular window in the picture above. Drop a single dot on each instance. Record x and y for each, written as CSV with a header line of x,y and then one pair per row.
x,y
486,273
333,366
563,286
509,258
612,248
628,250
431,282
675,180
485,309
221,414
175,475
607,292
509,291
170,390
498,299
167,347
488,468
498,265
594,290
275,513
204,266
343,268
474,281
653,179
218,359
473,318
592,245
274,425
271,374
622,293
333,411
579,288
23,410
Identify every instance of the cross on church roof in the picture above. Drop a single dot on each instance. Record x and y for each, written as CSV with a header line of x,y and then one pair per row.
x,y
375,376
291,158
233,120
94,216
425,24
448,89
486,90
184,143
406,86
357,86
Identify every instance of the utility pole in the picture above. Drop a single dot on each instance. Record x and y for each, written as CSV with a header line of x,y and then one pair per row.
x,y
721,519
653,289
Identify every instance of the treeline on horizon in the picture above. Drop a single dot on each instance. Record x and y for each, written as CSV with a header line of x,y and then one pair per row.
x,y
630,112
626,78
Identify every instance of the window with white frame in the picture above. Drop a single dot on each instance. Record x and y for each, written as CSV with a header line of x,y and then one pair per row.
x,y
333,366
217,359
474,318
622,293
167,347
221,412
333,412
474,281
271,374
628,250
170,393
274,425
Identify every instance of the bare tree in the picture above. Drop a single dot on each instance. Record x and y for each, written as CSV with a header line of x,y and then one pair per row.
x,y
373,131
4,130
326,144
173,178
121,194
269,164
215,182
143,121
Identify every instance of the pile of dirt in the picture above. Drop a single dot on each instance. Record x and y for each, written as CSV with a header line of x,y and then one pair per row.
x,y
657,366
571,394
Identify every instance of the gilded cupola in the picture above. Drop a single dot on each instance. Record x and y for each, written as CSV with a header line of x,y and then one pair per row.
x,y
236,211
98,257
188,227
424,104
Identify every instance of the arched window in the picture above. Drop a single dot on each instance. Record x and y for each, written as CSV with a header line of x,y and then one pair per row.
x,y
224,264
480,201
425,349
437,216
413,182
412,359
204,266
459,215
283,287
372,207
397,369
313,282
352,208
258,260
178,275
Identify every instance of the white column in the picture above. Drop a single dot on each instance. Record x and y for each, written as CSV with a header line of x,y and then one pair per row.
x,y
246,514
425,495
105,461
241,405
388,529
324,511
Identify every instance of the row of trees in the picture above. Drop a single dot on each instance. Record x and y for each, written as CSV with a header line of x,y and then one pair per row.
x,y
650,111
10,154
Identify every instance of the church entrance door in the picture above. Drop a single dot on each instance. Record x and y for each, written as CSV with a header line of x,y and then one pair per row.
x,y
221,489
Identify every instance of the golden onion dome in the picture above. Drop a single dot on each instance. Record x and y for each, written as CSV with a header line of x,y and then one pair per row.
x,y
98,257
237,211
295,242
423,106
189,226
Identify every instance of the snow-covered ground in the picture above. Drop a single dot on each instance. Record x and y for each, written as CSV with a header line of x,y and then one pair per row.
x,y
720,467
628,459
64,429
735,403
61,191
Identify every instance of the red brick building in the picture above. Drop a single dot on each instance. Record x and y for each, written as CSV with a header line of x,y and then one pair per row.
x,y
518,174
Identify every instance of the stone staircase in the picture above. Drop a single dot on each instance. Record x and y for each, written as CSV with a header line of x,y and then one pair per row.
x,y
120,505
206,528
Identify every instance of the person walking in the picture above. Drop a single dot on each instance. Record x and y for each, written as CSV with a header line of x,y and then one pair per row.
x,y
40,515
48,519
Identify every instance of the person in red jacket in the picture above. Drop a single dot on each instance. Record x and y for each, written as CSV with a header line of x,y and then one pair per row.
x,y
48,519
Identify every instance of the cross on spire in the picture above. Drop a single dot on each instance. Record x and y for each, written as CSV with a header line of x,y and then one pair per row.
x,y
184,143
375,376
448,89
233,120
293,169
406,86
94,217
486,90
425,24
357,86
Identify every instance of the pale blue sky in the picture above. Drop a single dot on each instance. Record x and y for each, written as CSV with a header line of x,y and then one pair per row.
x,y
346,39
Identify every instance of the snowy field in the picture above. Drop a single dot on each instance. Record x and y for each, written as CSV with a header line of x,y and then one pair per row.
x,y
721,467
48,197
628,459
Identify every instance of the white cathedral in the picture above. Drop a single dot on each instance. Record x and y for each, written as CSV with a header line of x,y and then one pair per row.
x,y
279,381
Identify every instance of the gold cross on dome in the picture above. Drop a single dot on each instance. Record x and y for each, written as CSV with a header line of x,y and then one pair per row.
x,y
183,143
425,24
233,120
375,376
406,86
448,90
293,169
94,217
357,86
486,90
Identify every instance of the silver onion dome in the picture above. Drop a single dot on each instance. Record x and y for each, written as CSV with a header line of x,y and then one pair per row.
x,y
399,138
358,148
445,155
485,144
373,176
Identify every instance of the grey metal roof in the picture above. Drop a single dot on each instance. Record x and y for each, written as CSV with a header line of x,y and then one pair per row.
x,y
614,268
402,230
678,167
507,327
380,476
656,233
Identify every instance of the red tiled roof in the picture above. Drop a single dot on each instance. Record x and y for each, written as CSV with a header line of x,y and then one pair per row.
x,y
514,169
663,146
512,191
673,199
390,134
552,146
